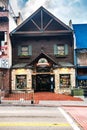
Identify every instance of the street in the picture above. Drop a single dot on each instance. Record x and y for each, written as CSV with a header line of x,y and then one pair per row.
x,y
35,118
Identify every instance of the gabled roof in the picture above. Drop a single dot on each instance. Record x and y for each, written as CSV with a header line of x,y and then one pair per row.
x,y
43,55
80,31
41,21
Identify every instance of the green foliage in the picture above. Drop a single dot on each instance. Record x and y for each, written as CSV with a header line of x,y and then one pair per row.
x,y
77,92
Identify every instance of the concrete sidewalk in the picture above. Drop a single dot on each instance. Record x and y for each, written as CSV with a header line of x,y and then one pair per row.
x,y
79,114
43,103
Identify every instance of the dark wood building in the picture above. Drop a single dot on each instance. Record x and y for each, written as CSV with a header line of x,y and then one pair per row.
x,y
42,54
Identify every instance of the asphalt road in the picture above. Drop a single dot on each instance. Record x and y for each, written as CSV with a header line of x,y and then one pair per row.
x,y
35,118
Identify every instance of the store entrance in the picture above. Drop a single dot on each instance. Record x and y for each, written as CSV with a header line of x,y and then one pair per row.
x,y
44,83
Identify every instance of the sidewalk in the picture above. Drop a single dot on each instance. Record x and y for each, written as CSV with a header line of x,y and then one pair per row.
x,y
43,99
79,114
53,103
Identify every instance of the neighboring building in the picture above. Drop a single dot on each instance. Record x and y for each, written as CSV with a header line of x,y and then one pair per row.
x,y
80,31
42,54
4,46
6,18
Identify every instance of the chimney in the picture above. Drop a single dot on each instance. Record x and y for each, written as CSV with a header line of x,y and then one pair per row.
x,y
70,23
19,18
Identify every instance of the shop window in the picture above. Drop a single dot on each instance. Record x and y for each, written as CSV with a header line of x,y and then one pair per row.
x,y
60,50
21,81
65,81
3,43
25,50
82,83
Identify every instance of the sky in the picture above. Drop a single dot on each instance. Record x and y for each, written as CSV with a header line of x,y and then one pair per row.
x,y
65,10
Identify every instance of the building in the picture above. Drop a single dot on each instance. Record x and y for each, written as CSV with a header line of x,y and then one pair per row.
x,y
42,54
4,46
6,21
80,31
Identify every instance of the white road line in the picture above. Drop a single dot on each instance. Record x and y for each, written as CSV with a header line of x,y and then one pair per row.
x,y
69,119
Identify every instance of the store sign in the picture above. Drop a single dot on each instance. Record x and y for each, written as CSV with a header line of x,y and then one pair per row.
x,y
4,63
3,49
65,80
43,62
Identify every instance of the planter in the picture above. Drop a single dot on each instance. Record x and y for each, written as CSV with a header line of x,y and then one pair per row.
x,y
77,92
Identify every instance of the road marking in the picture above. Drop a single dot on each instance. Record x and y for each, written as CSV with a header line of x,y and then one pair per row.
x,y
10,124
69,119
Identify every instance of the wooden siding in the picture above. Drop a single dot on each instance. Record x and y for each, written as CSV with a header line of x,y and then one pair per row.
x,y
42,44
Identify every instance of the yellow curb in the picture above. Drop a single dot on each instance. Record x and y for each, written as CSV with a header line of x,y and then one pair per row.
x,y
32,124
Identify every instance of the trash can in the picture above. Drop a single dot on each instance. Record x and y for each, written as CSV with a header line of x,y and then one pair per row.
x,y
32,101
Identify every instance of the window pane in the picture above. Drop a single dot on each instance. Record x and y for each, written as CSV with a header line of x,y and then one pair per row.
x,y
24,50
82,83
60,50
21,81
65,81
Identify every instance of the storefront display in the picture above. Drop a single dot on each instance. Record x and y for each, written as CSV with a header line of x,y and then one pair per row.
x,y
65,80
20,81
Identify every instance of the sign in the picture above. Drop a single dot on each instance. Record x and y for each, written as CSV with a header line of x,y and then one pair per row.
x,y
4,63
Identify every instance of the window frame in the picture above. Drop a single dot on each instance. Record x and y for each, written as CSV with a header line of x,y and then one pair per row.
x,y
18,85
64,81
65,50
29,51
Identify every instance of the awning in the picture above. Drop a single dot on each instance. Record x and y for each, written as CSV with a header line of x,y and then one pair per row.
x,y
65,64
84,77
21,65
82,67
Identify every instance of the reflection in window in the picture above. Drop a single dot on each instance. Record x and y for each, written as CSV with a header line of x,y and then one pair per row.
x,y
61,50
24,51
65,81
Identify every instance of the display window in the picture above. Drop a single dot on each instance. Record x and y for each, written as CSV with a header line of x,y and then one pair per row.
x,y
82,83
65,81
21,81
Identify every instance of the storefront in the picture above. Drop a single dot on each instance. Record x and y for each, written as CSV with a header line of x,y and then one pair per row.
x,y
61,80
82,81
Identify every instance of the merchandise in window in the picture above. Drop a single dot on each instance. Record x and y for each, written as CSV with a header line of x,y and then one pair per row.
x,y
65,81
21,81
82,83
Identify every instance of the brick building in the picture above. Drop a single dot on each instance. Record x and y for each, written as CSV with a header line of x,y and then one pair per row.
x,y
4,46
7,23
